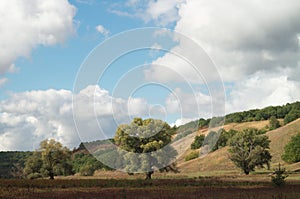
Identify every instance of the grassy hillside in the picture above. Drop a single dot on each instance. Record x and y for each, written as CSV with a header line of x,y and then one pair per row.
x,y
218,161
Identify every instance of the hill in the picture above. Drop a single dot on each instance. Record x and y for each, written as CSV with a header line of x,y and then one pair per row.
x,y
218,161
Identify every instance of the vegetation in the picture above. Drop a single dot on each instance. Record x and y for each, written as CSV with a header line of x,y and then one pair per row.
x,y
49,160
86,164
136,188
12,162
144,137
248,149
192,155
292,150
197,142
280,176
274,123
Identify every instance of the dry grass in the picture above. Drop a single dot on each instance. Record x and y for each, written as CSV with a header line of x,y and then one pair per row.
x,y
219,162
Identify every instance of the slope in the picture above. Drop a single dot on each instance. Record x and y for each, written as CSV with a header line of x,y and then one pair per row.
x,y
218,161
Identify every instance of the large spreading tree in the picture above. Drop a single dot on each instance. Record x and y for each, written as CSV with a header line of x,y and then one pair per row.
x,y
248,149
147,146
51,159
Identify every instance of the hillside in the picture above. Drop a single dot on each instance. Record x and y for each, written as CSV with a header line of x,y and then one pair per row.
x,y
218,161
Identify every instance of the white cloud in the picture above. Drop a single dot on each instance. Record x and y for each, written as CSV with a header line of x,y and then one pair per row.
x,y
262,89
255,45
244,37
2,81
161,12
27,24
29,117
102,30
189,104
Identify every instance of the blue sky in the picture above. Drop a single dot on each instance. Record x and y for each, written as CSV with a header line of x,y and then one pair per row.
x,y
43,44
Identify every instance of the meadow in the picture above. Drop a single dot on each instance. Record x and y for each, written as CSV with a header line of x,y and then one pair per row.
x,y
172,186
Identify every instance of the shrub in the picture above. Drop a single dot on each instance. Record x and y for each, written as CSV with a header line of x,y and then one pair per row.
x,y
192,155
198,141
32,176
279,179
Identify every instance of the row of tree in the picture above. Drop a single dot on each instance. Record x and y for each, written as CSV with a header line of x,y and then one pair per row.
x,y
288,112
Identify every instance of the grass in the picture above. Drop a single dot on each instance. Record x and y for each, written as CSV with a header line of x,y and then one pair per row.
x,y
218,161
201,187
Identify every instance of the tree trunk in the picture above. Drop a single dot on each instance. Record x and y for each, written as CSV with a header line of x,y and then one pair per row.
x,y
51,175
148,175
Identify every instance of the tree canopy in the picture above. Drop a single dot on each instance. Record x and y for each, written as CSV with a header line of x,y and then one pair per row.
x,y
248,149
49,160
292,150
146,143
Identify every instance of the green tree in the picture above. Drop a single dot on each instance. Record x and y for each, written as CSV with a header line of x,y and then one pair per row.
x,y
198,141
49,160
291,116
147,145
86,164
292,150
248,150
274,123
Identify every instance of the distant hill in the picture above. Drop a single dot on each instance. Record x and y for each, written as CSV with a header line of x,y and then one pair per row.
x,y
9,160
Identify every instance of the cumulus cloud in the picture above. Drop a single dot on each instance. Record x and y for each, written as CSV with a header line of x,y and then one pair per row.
x,y
27,24
262,89
161,12
255,45
102,30
244,37
189,104
27,118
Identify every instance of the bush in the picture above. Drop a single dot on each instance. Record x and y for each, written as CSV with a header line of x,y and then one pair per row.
x,y
292,150
87,170
198,141
279,179
192,155
32,176
274,123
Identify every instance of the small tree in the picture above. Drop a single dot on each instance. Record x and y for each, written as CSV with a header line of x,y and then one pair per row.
x,y
292,150
248,150
279,178
274,123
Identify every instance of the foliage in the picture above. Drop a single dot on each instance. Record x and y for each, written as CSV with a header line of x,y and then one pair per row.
x,y
51,159
86,164
192,155
291,116
143,137
248,149
198,141
12,162
279,178
292,150
274,123
224,137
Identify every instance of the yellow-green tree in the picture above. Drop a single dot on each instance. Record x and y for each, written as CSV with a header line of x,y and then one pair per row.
x,y
147,143
51,159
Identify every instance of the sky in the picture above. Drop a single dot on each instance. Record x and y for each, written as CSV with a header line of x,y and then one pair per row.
x,y
247,53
